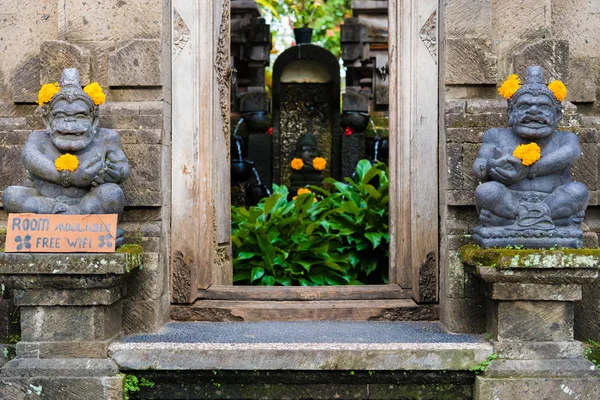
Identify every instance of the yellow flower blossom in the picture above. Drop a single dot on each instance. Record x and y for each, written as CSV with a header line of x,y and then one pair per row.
x,y
528,153
319,163
95,92
559,89
297,164
47,92
67,162
510,86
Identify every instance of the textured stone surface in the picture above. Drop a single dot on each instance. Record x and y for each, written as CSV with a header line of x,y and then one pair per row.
x,y
26,80
61,264
551,55
530,291
68,297
143,188
582,86
110,20
136,63
465,315
54,324
536,321
56,55
587,313
537,388
539,350
470,61
469,18
518,19
577,21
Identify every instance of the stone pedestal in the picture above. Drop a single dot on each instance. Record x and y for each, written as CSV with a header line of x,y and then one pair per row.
x,y
70,312
531,295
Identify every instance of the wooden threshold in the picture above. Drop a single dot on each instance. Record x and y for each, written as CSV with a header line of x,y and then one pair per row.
x,y
296,293
319,310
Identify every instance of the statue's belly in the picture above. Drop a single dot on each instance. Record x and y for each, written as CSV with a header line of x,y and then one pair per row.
x,y
49,189
545,184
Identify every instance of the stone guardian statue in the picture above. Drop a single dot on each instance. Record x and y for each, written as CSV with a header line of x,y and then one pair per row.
x,y
73,166
527,196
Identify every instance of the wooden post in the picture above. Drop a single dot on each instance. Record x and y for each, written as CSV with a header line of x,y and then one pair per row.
x,y
414,145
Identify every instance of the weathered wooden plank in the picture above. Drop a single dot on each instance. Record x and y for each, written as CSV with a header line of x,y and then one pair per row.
x,y
194,97
278,293
414,146
349,310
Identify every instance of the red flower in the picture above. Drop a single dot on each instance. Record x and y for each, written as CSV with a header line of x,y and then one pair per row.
x,y
270,131
348,131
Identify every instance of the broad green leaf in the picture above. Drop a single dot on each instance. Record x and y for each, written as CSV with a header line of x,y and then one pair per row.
x,y
244,255
362,168
374,238
267,250
267,281
257,273
241,276
270,203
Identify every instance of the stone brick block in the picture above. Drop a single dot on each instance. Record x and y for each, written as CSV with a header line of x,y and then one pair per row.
x,y
464,135
487,120
463,315
551,55
455,120
56,55
105,20
145,316
582,86
539,350
479,106
469,18
534,321
455,277
469,151
577,21
537,388
147,283
530,291
12,171
143,188
64,349
470,61
13,137
586,168
136,63
52,324
519,19
588,135
26,81
455,165
587,313
460,197
454,106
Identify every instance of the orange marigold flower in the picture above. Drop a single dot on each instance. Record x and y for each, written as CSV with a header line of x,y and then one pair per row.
x,y
303,191
319,163
47,92
67,162
297,164
95,92
528,153
510,86
559,89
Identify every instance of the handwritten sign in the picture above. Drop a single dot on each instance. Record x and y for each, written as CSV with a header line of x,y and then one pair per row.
x,y
55,233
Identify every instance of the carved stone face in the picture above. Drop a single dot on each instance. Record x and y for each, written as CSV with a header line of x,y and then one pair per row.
x,y
534,117
71,125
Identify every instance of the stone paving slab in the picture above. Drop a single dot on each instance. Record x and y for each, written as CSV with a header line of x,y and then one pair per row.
x,y
301,346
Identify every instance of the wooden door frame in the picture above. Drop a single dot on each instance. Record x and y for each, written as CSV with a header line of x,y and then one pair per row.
x,y
200,244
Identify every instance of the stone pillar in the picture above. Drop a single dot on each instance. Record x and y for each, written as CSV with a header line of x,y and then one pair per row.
x,y
70,312
531,295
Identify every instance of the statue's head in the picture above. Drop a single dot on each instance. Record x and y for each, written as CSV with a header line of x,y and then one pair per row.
x,y
535,109
71,116
307,147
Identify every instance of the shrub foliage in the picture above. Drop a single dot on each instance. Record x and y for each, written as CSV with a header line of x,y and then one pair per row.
x,y
337,235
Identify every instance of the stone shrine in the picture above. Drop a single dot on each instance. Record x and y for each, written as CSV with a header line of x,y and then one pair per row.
x,y
528,197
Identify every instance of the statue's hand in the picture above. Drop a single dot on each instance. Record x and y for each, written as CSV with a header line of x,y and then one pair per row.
x,y
86,174
508,170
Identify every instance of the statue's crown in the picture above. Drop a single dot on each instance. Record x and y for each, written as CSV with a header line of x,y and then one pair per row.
x,y
534,85
70,89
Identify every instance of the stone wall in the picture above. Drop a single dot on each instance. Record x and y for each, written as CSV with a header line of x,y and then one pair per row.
x,y
125,47
484,42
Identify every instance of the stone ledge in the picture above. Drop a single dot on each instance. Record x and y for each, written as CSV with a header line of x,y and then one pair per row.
x,y
301,346
122,262
299,356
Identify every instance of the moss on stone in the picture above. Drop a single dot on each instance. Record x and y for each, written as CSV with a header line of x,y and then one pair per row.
x,y
474,255
133,255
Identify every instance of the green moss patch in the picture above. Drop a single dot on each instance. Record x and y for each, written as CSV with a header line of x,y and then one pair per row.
x,y
133,255
529,258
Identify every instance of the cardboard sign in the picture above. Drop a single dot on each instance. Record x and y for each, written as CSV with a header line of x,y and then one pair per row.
x,y
56,233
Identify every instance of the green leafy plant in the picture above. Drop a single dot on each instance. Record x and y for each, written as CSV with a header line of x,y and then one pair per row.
x,y
338,237
132,384
480,368
592,352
